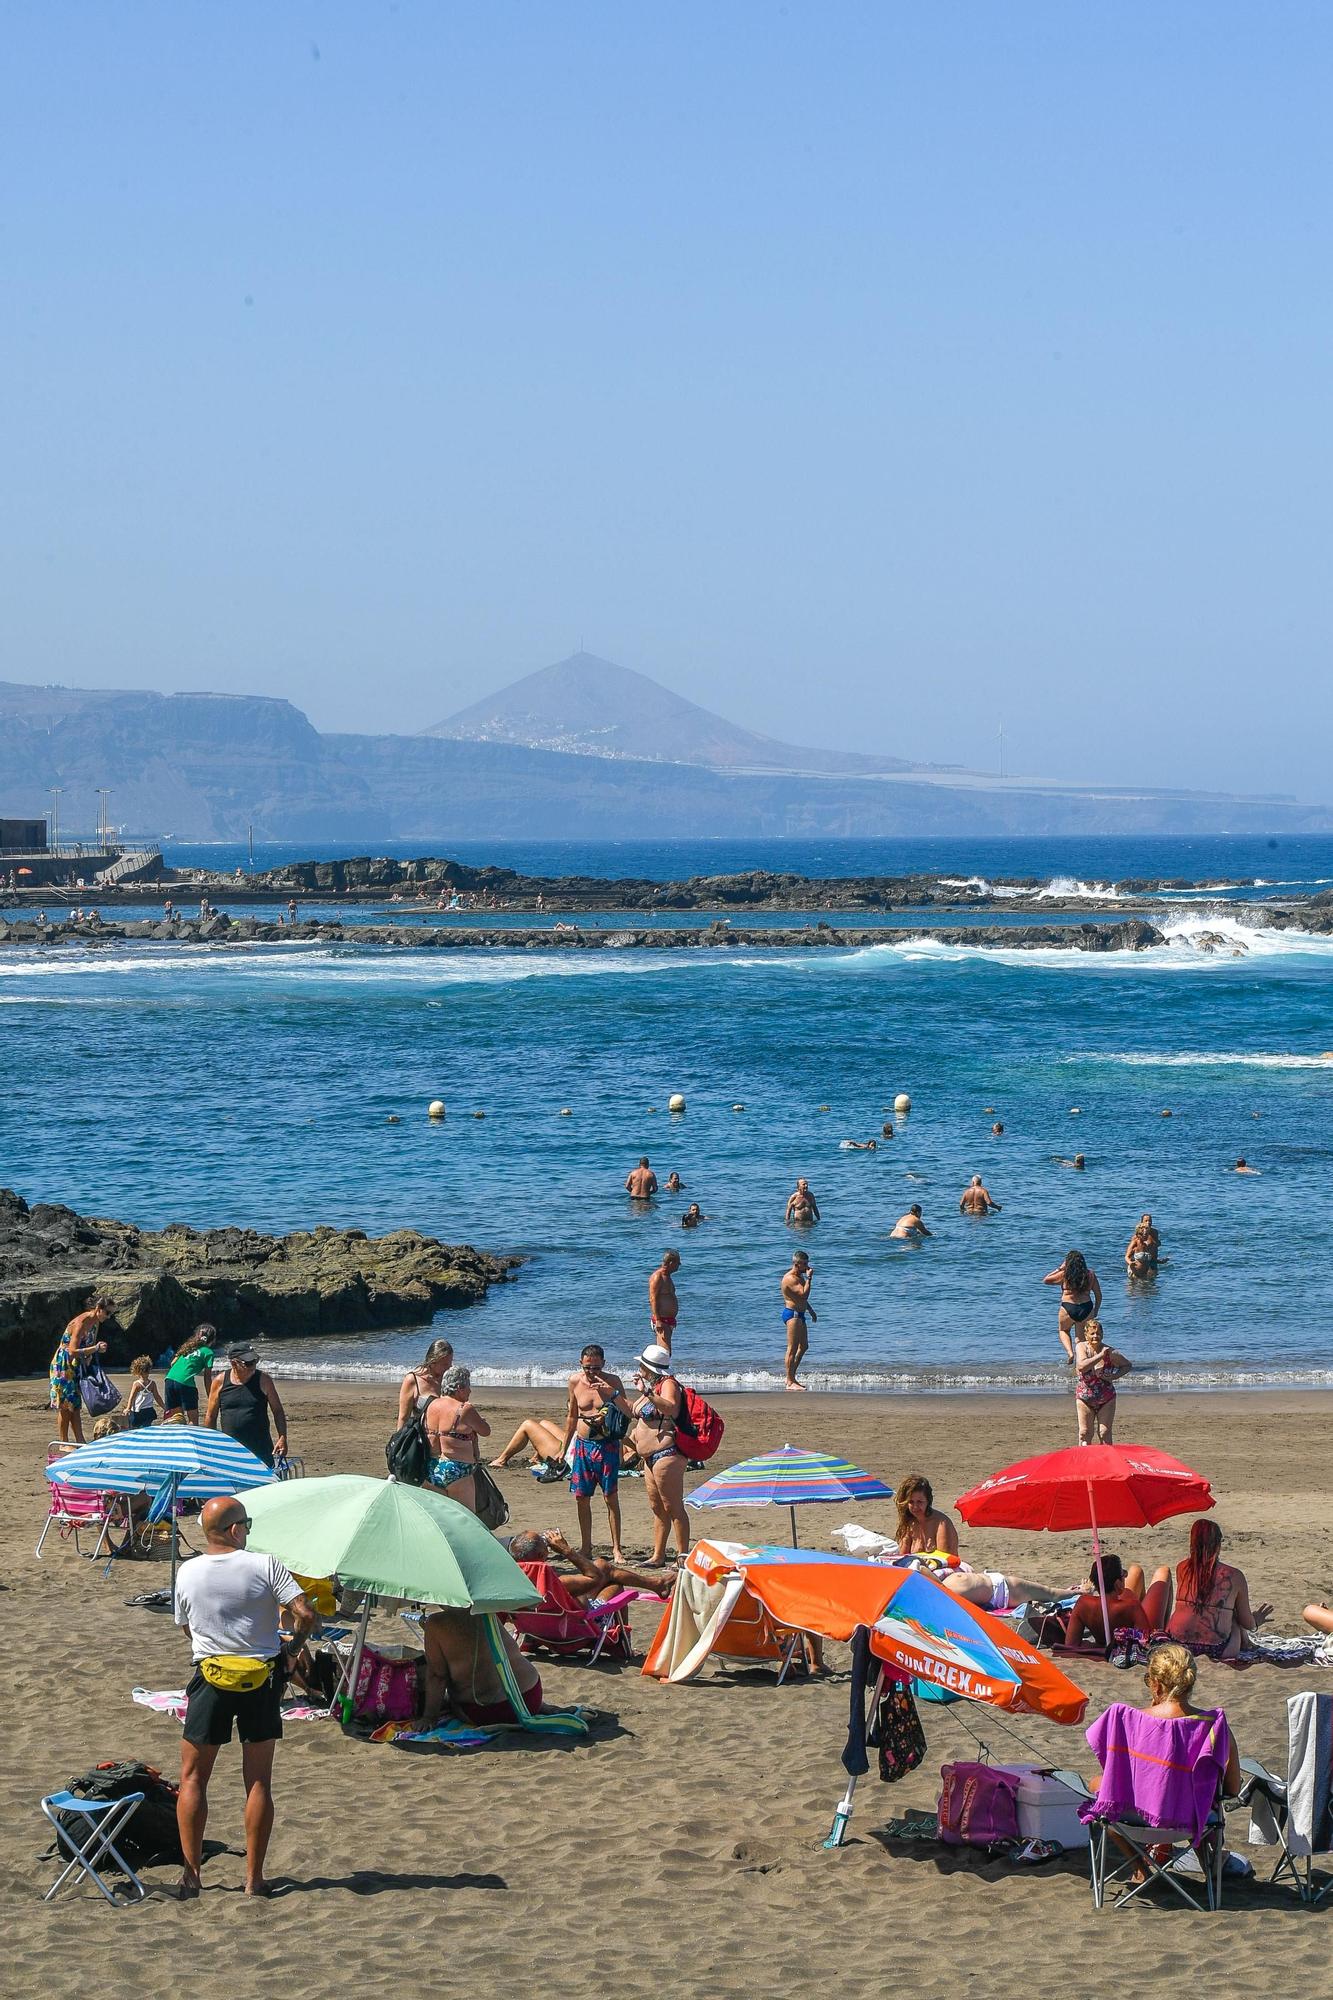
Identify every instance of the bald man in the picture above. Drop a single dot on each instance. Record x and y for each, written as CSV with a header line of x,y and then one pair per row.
x,y
229,1601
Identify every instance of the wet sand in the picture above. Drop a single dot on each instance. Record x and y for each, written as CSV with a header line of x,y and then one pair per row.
x,y
682,1844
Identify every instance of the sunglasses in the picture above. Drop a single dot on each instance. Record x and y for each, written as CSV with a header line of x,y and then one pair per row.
x,y
244,1522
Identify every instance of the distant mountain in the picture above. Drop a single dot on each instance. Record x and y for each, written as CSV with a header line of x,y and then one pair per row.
x,y
588,707
207,766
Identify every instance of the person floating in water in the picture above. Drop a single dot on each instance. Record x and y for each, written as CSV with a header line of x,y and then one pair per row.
x,y
674,1183
1078,1163
796,1310
1243,1166
1143,1249
641,1181
859,1145
693,1216
802,1208
910,1228
976,1198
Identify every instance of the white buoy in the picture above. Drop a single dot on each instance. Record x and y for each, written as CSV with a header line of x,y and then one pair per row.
x,y
675,1102
566,1112
902,1102
435,1109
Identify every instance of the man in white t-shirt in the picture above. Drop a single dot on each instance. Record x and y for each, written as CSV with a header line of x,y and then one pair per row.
x,y
229,1600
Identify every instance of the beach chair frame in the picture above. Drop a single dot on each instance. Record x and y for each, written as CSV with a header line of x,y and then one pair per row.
x,y
1297,1868
106,1821
74,1513
1140,1841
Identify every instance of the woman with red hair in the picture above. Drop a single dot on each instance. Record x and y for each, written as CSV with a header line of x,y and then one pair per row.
x,y
1213,1612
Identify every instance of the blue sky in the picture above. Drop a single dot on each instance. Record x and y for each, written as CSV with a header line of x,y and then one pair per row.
x,y
869,373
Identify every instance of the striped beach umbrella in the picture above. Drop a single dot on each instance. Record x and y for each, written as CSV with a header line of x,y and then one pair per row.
x,y
789,1478
171,1461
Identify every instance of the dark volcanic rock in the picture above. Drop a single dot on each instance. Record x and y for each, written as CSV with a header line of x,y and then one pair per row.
x,y
317,1281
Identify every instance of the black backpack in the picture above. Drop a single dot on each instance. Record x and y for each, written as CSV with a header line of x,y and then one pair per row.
x,y
407,1454
152,1835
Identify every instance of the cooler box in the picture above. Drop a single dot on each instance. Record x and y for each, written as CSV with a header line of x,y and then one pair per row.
x,y
1047,1809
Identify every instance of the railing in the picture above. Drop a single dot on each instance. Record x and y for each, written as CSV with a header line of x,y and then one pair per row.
x,y
132,863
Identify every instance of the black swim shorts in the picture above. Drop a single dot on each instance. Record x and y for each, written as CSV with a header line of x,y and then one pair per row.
x,y
210,1712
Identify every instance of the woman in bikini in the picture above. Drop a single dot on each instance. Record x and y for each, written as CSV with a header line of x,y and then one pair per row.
x,y
654,1410
452,1430
1213,1612
420,1385
1098,1368
1080,1296
922,1528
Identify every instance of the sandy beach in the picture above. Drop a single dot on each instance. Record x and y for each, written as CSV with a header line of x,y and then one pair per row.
x,y
686,1834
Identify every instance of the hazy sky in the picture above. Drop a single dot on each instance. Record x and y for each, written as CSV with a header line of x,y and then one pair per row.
x,y
867,373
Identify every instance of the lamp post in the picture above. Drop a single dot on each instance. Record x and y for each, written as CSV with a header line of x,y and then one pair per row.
x,y
55,791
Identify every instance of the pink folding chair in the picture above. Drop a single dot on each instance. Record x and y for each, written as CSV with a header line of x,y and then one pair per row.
x,y
572,1626
80,1513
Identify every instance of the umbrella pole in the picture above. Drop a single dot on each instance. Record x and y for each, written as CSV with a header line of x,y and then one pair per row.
x,y
792,1512
175,1536
349,1693
1097,1559
843,1811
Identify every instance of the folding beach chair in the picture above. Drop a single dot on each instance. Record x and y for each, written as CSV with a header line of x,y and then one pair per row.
x,y
1123,1842
105,1820
79,1513
573,1627
1295,1813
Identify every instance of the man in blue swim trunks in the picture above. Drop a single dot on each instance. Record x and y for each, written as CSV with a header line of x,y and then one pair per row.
x,y
595,1422
796,1310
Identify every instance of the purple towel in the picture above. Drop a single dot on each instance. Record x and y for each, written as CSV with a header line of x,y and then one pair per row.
x,y
1167,1771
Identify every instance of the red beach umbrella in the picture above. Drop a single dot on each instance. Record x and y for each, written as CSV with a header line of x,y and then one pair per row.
x,y
1090,1486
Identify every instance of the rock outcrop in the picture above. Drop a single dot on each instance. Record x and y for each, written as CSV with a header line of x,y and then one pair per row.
x,y
163,1282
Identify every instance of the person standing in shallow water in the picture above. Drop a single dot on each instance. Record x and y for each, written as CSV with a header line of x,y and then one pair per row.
x,y
663,1304
1080,1296
796,1310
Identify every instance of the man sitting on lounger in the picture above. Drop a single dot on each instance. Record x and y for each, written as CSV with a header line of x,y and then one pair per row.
x,y
591,1577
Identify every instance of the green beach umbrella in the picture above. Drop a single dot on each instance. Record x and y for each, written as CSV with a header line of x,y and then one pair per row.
x,y
388,1540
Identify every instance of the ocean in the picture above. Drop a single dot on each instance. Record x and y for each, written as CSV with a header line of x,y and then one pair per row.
x,y
252,1085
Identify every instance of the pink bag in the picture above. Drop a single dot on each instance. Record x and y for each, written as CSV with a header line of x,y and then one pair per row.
x,y
386,1690
978,1805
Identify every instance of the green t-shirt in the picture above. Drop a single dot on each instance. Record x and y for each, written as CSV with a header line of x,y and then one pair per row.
x,y
186,1366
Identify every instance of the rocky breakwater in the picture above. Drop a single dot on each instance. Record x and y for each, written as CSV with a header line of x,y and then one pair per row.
x,y
163,1282
1129,934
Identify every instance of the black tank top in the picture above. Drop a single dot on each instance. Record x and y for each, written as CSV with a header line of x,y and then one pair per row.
x,y
243,1415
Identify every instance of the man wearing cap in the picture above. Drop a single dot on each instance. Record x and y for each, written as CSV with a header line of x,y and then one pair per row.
x,y
239,1403
656,1408
229,1601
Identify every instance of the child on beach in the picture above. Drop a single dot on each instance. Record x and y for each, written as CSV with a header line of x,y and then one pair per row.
x,y
1097,1367
145,1398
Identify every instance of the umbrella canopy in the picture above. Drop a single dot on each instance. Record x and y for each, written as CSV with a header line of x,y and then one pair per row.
x,y
197,1464
389,1540
788,1478
1087,1486
915,1624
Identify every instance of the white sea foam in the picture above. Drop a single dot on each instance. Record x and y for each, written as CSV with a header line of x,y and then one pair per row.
x,y
1062,886
1207,1059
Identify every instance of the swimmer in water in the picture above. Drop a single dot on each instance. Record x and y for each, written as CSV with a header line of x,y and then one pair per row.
x,y
910,1228
997,1130
1242,1166
693,1216
802,1208
976,1199
886,1131
674,1183
1143,1249
641,1181
1078,1163
1080,1296
859,1145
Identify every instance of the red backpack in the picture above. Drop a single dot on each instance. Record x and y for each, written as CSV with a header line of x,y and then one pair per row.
x,y
699,1428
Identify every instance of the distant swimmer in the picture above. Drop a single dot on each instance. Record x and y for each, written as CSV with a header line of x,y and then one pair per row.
x,y
693,1216
663,1305
910,1228
859,1145
997,1130
802,1208
1080,1296
1078,1163
1242,1166
886,1131
641,1181
674,1183
796,1310
1143,1249
976,1199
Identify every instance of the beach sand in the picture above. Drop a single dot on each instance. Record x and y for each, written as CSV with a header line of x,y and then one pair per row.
x,y
682,1845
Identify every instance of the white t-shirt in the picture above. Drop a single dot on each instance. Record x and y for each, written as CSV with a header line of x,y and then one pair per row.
x,y
231,1602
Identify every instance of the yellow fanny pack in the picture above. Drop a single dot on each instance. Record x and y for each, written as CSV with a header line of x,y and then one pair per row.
x,y
234,1673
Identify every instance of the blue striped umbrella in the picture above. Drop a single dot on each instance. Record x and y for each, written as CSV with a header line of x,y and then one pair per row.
x,y
171,1461
789,1478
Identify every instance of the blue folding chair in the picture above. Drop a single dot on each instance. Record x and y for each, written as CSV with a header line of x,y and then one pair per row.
x,y
106,1820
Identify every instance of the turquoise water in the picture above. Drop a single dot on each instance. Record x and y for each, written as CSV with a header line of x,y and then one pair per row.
x,y
253,1085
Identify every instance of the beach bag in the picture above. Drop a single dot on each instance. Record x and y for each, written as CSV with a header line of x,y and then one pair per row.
x,y
234,1673
386,1689
407,1454
978,1805
491,1505
1043,1622
608,1425
699,1428
100,1394
152,1835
